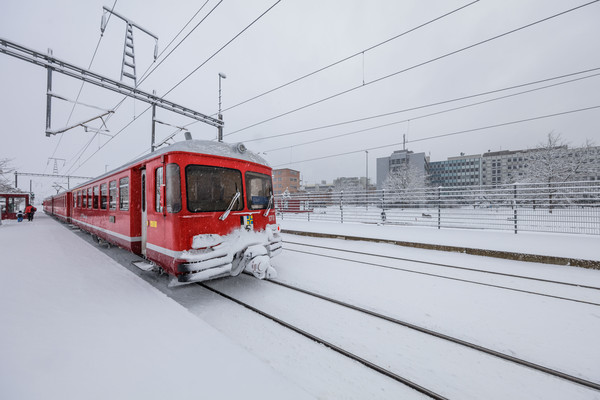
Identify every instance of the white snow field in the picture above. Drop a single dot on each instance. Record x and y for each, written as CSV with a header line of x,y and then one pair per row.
x,y
77,325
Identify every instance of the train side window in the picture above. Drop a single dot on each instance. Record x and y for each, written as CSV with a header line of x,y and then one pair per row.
x,y
258,190
212,188
103,196
158,181
112,195
89,197
173,188
124,194
96,195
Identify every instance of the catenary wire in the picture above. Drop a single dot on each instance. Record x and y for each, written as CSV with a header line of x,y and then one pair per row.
x,y
425,105
225,45
432,114
447,134
196,69
82,84
146,74
351,56
414,67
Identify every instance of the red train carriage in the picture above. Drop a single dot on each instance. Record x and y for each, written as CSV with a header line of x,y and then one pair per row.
x,y
59,206
198,209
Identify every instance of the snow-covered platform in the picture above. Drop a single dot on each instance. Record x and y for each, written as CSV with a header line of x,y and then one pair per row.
x,y
506,244
77,325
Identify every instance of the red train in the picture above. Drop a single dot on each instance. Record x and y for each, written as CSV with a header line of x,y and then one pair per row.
x,y
198,209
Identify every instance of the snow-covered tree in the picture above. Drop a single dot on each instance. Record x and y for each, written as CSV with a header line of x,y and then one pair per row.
x,y
402,184
406,176
5,176
553,161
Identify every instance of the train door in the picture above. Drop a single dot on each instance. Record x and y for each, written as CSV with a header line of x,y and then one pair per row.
x,y
144,213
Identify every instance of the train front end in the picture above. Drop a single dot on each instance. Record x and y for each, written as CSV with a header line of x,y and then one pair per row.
x,y
218,213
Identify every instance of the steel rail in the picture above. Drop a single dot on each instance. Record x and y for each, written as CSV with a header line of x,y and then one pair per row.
x,y
330,345
448,266
449,278
538,367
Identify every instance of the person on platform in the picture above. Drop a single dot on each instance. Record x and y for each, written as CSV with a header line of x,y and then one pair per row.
x,y
30,211
20,215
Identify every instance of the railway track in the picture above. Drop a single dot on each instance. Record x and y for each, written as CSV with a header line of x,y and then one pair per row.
x,y
449,266
384,371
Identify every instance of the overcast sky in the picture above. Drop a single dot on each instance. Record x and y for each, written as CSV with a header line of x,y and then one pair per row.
x,y
293,39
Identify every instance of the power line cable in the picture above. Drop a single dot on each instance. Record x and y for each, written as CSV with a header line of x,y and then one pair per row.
x,y
208,59
225,45
80,152
439,112
82,83
446,135
144,76
414,66
351,56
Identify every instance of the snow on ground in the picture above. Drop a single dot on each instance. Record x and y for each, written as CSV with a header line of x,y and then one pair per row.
x,y
77,325
586,247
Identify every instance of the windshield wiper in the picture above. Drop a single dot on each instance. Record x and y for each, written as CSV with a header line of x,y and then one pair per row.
x,y
226,213
269,206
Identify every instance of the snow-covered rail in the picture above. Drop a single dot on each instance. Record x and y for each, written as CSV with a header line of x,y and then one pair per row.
x,y
338,349
550,288
404,324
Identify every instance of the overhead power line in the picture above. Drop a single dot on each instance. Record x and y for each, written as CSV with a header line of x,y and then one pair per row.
x,y
416,66
446,135
147,74
225,45
437,112
352,56
83,83
180,82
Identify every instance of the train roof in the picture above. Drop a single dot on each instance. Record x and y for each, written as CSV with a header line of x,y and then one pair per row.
x,y
229,150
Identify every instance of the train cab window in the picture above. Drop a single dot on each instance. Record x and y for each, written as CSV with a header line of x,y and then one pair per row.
x,y
96,196
103,196
112,195
89,197
124,194
212,188
259,190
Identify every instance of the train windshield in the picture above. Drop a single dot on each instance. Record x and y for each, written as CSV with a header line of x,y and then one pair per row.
x,y
212,188
259,189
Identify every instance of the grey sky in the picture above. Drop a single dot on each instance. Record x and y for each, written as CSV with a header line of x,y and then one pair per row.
x,y
294,39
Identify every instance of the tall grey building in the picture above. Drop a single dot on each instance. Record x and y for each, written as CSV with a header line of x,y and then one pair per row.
x,y
398,159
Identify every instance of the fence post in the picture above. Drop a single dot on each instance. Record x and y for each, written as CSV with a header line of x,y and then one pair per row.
x,y
439,208
515,207
342,206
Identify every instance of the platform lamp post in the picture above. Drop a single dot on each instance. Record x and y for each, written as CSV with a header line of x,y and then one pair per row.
x,y
367,179
220,128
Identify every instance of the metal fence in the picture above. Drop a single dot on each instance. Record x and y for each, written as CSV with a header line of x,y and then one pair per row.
x,y
571,207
